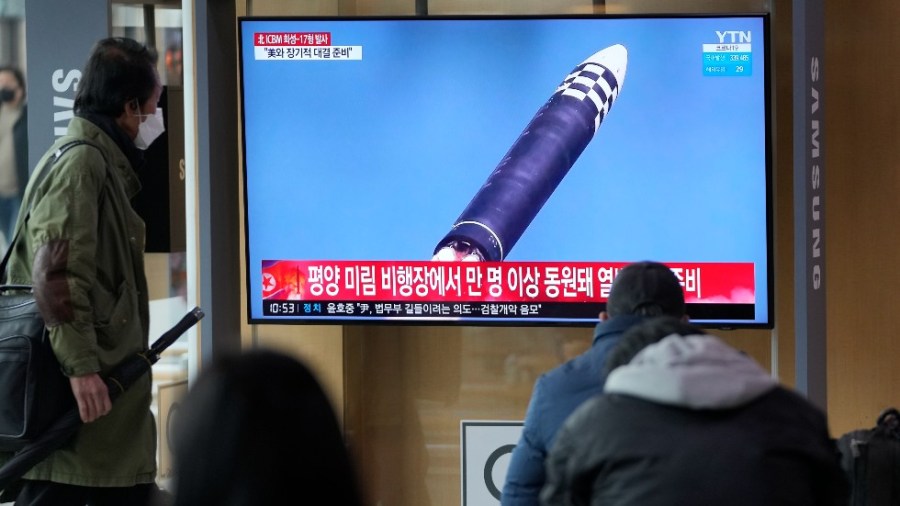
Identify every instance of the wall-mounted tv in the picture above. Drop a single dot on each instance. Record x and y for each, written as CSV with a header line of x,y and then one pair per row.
x,y
484,170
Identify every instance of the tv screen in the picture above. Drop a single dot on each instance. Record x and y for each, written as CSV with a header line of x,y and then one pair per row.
x,y
500,170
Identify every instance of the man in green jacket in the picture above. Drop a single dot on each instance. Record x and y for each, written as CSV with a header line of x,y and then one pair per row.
x,y
82,251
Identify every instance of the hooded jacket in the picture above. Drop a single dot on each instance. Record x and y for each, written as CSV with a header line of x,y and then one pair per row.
x,y
82,251
692,421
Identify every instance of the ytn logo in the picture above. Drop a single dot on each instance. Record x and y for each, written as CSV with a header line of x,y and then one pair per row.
x,y
733,37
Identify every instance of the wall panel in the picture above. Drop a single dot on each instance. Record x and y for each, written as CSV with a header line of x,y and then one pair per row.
x,y
862,208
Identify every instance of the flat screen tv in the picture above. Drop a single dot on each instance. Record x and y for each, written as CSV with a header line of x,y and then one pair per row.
x,y
483,170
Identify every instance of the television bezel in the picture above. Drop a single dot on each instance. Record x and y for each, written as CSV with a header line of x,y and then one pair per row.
x,y
768,85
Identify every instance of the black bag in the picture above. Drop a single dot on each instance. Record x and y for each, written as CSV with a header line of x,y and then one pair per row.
x,y
871,459
34,392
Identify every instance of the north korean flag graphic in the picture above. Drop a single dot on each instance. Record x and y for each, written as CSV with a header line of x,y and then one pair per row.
x,y
282,280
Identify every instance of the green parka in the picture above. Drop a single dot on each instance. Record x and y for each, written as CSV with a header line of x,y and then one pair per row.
x,y
82,250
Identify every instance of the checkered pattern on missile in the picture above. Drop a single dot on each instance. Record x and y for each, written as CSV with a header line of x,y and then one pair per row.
x,y
592,81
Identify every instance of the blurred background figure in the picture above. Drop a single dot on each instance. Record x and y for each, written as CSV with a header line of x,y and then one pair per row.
x,y
257,429
13,148
174,63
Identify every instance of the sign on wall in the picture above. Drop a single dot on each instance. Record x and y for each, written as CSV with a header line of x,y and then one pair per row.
x,y
58,39
486,448
169,397
809,201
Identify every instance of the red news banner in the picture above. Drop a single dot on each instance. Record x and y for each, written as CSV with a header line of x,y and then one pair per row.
x,y
292,39
301,46
427,281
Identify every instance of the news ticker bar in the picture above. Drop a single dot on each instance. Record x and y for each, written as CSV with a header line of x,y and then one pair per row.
x,y
349,309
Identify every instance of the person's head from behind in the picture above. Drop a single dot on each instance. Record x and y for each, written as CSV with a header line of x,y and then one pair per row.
x,y
645,333
119,81
645,289
256,428
12,86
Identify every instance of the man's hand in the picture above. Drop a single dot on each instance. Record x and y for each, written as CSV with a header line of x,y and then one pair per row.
x,y
92,396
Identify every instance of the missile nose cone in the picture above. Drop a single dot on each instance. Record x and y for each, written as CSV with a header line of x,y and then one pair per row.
x,y
598,80
614,58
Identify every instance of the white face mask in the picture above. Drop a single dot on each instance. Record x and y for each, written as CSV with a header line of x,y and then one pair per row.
x,y
151,127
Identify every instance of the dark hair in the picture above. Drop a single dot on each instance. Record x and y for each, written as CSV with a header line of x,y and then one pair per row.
x,y
644,334
646,289
118,71
17,74
255,428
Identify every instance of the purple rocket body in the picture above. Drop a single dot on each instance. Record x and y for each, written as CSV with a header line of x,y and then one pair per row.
x,y
537,162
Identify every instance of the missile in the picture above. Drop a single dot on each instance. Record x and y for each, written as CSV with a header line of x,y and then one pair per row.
x,y
537,162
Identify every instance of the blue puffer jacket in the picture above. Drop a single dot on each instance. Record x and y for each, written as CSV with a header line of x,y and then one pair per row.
x,y
557,393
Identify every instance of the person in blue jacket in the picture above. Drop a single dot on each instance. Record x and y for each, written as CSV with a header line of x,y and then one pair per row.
x,y
639,290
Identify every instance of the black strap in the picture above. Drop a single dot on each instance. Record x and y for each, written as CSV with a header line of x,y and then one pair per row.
x,y
40,175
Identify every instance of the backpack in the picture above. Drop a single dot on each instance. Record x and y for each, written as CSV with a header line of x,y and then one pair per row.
x,y
871,459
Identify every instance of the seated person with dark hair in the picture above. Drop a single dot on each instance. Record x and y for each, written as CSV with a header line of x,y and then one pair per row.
x,y
686,419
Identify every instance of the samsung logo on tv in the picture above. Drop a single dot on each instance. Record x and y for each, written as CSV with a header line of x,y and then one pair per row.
x,y
733,37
